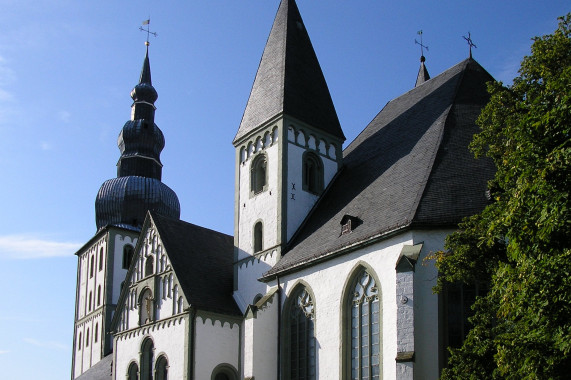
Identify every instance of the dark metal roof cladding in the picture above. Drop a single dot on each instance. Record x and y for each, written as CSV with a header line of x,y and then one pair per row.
x,y
124,201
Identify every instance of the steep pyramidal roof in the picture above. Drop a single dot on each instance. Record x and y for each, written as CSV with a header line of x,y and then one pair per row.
x,y
422,73
409,167
289,79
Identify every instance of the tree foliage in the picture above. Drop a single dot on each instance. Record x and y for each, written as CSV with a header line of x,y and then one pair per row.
x,y
520,245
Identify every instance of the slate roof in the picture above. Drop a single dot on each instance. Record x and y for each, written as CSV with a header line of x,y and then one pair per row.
x,y
423,75
202,261
289,79
100,371
410,167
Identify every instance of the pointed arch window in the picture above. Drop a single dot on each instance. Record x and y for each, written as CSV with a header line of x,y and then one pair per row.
x,y
79,343
258,237
258,174
133,372
300,362
99,295
161,368
147,351
128,251
87,338
362,342
96,333
90,300
101,259
312,173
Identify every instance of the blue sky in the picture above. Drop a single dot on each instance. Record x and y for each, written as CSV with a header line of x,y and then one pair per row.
x,y
67,68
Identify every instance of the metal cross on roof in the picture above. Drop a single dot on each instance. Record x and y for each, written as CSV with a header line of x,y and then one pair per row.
x,y
147,22
420,43
470,43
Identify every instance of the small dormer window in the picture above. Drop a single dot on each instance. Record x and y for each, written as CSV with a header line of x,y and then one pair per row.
x,y
349,223
258,174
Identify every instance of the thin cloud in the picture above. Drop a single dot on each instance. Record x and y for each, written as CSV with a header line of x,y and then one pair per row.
x,y
3,352
30,247
64,116
50,344
44,145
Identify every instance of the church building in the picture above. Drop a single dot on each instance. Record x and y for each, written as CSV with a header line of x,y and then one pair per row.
x,y
325,276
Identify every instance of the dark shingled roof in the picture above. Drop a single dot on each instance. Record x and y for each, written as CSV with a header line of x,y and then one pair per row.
x,y
100,371
289,79
202,261
409,167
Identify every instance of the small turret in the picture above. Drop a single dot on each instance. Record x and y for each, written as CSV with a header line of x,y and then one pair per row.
x,y
422,73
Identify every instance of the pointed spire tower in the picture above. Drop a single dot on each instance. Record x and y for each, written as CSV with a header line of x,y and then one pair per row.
x,y
422,73
289,79
288,149
125,200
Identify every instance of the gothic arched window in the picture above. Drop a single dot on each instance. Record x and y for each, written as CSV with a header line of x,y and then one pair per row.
x,y
87,338
99,295
96,332
258,237
79,342
299,362
101,259
362,343
161,368
258,174
312,173
92,265
133,372
147,350
128,251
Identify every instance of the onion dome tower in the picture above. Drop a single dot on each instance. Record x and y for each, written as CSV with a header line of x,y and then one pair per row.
x,y
125,200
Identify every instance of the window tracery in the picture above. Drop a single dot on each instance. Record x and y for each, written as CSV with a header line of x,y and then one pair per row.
x,y
365,329
301,363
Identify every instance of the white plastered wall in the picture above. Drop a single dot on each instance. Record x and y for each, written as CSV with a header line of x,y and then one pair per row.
x,y
121,240
328,279
216,343
262,206
170,338
260,343
299,205
249,271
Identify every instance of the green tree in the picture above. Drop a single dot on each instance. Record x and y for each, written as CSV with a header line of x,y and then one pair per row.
x,y
520,245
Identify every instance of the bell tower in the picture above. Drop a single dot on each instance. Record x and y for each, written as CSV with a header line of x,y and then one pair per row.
x,y
120,209
288,149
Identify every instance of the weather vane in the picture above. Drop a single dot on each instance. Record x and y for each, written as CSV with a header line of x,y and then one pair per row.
x,y
148,30
422,47
470,43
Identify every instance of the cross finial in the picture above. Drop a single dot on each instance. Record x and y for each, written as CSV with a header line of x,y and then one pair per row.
x,y
422,47
148,30
470,43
